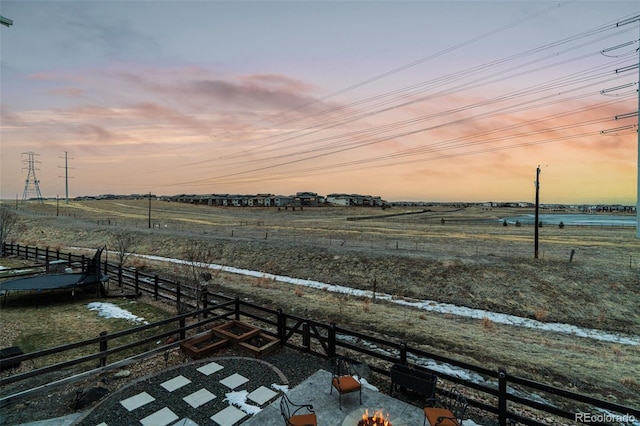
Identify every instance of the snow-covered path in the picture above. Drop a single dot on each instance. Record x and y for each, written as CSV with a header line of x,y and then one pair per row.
x,y
430,305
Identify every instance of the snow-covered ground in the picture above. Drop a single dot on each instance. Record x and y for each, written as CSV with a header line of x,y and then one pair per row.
x,y
109,310
432,306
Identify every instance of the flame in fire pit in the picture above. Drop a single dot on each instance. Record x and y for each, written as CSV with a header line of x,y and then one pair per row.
x,y
376,419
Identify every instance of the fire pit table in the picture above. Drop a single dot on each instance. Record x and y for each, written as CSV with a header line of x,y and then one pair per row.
x,y
373,417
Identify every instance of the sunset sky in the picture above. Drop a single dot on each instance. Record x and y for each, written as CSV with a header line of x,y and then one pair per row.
x,y
420,100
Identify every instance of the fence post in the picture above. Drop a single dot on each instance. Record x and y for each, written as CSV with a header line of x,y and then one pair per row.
x,y
178,297
237,308
103,348
137,283
502,396
332,340
36,254
205,303
306,336
403,353
120,276
155,287
57,254
282,327
46,256
183,334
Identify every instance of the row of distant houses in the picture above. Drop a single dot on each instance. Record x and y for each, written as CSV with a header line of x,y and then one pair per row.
x,y
300,199
311,199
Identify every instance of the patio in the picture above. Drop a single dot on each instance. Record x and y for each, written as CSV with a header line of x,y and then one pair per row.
x,y
315,391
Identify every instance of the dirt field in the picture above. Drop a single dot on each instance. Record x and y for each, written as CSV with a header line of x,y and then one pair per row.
x,y
441,254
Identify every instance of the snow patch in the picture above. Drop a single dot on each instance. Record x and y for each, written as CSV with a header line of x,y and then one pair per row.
x,y
109,310
431,305
239,399
280,388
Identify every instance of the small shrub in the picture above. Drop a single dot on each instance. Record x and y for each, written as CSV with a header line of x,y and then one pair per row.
x,y
366,305
540,314
263,282
617,350
138,264
423,316
487,324
298,292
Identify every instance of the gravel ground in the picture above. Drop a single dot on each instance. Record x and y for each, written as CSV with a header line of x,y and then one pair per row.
x,y
260,374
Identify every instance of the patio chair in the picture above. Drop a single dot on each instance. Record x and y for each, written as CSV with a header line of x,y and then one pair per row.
x,y
297,414
449,412
342,379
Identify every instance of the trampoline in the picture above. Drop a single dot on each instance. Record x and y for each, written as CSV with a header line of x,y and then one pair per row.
x,y
48,282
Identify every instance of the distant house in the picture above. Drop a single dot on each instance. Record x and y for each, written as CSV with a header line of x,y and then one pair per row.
x,y
306,199
339,199
283,200
355,200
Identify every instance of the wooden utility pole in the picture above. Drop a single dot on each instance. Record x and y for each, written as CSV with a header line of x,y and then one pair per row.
x,y
537,212
149,209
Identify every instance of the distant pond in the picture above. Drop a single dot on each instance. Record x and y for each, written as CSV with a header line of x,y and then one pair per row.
x,y
576,219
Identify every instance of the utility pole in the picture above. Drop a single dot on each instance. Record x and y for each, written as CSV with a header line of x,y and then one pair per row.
x,y
149,209
66,178
537,183
619,24
638,133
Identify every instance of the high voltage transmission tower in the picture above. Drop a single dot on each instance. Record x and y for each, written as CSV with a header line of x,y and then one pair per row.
x,y
31,184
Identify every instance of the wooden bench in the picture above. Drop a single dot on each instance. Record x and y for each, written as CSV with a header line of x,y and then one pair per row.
x,y
413,378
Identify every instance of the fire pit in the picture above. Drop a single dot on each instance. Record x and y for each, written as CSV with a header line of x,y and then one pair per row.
x,y
379,417
376,419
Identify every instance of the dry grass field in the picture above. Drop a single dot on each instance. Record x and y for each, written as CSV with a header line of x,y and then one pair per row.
x,y
459,260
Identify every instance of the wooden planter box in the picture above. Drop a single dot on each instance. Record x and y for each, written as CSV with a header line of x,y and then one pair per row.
x,y
260,344
236,331
203,345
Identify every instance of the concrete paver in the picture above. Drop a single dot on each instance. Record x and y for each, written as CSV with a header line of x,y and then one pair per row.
x,y
161,417
199,398
137,401
175,383
234,381
229,416
209,369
